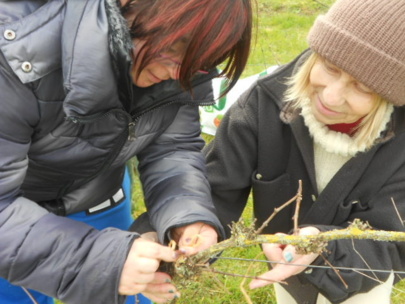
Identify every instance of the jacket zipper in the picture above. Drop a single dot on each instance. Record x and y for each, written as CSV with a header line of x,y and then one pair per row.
x,y
128,134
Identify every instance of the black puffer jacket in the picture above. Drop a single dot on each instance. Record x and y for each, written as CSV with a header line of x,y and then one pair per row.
x,y
66,132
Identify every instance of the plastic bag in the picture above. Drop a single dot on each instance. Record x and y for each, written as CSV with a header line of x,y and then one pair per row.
x,y
211,116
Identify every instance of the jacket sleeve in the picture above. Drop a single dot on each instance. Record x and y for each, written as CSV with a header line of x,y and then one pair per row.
x,y
173,175
60,257
231,158
381,214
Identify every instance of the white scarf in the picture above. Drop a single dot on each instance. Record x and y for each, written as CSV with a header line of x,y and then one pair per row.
x,y
332,149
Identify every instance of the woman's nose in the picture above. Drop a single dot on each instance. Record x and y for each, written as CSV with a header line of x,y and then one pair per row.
x,y
335,93
174,72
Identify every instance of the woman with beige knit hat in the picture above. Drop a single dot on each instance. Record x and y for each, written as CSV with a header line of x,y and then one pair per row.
x,y
334,119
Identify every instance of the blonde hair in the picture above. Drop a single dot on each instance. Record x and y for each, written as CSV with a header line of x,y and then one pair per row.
x,y
369,128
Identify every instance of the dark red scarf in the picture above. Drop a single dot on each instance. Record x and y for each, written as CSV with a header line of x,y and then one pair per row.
x,y
349,128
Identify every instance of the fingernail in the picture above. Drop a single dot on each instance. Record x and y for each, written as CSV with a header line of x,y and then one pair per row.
x,y
176,296
187,240
168,281
171,291
178,253
183,250
288,256
254,285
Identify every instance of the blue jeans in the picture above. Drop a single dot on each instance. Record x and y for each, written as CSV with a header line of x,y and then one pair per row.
x,y
118,216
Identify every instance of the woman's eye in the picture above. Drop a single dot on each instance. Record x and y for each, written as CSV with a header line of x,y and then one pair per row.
x,y
363,89
331,68
171,51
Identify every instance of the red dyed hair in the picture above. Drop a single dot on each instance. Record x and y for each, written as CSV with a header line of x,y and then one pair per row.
x,y
218,31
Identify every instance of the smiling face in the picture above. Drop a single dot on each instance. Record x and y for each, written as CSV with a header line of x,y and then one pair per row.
x,y
336,97
165,66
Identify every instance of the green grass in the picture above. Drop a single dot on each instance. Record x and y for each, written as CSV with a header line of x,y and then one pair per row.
x,y
282,27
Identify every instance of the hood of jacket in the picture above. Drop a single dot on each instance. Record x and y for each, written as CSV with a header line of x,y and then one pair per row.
x,y
88,40
95,41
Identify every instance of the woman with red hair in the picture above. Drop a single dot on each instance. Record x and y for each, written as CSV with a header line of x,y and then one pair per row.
x,y
86,86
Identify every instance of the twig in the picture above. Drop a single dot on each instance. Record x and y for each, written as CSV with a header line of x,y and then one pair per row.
x,y
307,243
361,257
277,210
297,207
396,209
335,270
245,294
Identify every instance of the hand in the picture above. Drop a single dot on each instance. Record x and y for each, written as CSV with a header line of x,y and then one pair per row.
x,y
284,254
194,237
139,272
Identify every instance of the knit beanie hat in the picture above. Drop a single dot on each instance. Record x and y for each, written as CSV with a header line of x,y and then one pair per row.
x,y
366,39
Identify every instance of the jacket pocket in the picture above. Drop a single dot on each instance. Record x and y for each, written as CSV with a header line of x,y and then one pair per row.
x,y
268,195
348,208
83,147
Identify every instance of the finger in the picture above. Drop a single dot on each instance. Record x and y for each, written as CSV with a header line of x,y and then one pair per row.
x,y
288,256
278,274
198,244
190,237
281,272
192,243
127,281
152,250
161,290
309,231
189,240
188,251
267,280
161,278
145,265
167,254
291,256
161,298
273,252
131,289
186,233
141,282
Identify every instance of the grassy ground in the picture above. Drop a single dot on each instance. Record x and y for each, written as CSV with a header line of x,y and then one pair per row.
x,y
281,36
282,27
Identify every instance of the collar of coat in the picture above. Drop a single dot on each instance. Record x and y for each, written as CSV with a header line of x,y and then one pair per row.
x,y
337,142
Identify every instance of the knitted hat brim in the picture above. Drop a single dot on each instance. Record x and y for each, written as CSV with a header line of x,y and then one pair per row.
x,y
371,66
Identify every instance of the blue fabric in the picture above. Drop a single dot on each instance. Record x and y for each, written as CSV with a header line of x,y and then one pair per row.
x,y
119,217
11,294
